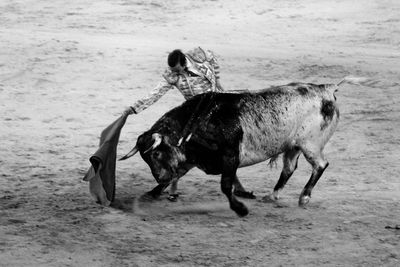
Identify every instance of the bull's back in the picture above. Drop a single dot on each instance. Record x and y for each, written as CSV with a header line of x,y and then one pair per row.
x,y
282,118
256,126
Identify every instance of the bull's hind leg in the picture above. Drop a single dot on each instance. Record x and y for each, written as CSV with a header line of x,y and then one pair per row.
x,y
290,159
227,179
319,164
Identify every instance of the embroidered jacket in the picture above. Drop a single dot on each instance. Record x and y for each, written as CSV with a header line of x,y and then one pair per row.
x,y
200,76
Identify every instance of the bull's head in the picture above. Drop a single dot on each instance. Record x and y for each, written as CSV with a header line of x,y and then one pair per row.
x,y
163,158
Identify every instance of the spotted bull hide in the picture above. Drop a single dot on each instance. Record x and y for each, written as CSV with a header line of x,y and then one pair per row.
x,y
240,129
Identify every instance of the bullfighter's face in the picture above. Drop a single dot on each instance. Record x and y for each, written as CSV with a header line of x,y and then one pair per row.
x,y
162,157
178,68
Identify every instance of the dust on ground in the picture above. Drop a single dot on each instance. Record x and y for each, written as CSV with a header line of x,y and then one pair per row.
x,y
68,69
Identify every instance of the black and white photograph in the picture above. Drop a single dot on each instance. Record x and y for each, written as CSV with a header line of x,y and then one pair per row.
x,y
219,133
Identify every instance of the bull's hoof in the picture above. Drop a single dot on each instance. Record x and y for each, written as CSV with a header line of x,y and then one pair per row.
x,y
270,198
149,196
173,197
244,194
240,209
303,201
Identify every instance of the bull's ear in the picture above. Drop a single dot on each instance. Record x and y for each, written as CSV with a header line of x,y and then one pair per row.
x,y
157,139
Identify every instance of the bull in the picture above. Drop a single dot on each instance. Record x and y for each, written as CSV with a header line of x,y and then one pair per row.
x,y
242,129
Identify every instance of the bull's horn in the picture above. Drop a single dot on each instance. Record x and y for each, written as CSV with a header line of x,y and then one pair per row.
x,y
157,141
130,154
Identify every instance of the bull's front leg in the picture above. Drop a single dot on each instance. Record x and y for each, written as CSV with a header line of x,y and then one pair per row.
x,y
155,192
240,191
159,189
227,179
173,194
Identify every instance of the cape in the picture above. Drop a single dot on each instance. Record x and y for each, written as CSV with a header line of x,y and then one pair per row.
x,y
101,175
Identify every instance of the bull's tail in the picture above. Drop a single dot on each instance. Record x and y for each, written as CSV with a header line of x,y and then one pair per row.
x,y
364,81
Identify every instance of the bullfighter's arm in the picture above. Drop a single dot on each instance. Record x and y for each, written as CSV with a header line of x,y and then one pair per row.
x,y
161,89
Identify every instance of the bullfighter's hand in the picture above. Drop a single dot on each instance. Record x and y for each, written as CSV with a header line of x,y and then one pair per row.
x,y
129,111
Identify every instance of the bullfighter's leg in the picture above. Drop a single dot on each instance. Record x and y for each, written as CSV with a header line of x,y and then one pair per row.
x,y
173,191
240,191
227,178
290,159
319,164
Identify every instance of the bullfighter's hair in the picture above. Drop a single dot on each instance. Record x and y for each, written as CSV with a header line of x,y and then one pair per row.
x,y
175,57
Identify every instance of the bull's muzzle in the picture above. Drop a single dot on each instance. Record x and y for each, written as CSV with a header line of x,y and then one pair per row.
x,y
163,176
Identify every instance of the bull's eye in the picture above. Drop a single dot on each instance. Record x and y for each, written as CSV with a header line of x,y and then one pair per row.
x,y
157,154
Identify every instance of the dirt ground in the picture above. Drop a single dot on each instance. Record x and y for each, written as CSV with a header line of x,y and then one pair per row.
x,y
69,68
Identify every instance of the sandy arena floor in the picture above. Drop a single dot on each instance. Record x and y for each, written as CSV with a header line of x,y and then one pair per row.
x,y
69,68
